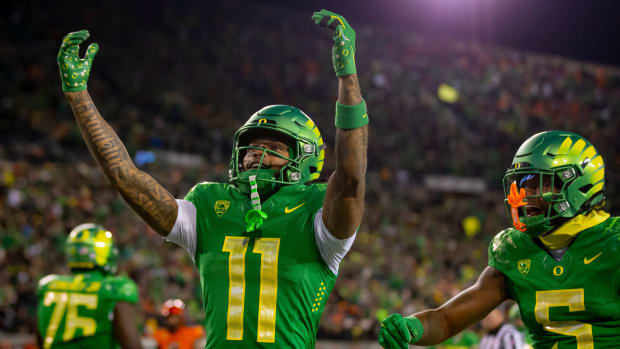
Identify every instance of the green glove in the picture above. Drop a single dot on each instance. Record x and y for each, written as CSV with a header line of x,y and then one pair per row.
x,y
343,52
397,332
74,71
254,219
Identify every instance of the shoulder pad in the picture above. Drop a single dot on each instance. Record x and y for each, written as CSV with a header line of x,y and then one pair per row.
x,y
198,191
614,225
612,233
504,244
503,239
45,281
202,185
320,186
120,288
315,193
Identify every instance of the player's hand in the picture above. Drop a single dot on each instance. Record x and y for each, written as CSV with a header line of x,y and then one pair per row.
x,y
343,52
74,71
397,332
254,219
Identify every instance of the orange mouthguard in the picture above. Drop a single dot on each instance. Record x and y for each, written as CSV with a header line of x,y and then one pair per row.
x,y
515,200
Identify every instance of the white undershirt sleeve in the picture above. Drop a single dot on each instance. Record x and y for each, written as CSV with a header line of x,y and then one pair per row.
x,y
184,230
331,248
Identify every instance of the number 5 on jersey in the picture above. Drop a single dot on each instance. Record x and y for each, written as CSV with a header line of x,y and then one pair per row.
x,y
574,300
268,248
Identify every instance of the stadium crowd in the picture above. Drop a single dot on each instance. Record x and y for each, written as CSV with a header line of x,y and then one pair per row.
x,y
187,88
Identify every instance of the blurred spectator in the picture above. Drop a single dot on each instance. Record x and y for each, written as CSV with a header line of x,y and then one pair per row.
x,y
499,333
174,334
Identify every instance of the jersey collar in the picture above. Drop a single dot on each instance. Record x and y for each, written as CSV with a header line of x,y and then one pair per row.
x,y
567,232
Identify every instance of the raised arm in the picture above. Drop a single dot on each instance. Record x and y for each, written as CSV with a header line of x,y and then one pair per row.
x,y
344,200
147,197
434,326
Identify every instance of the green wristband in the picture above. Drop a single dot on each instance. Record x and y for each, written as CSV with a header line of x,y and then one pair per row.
x,y
351,116
415,328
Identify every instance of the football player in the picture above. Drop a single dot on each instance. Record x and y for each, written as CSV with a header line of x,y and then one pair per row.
x,y
91,308
175,334
268,244
559,262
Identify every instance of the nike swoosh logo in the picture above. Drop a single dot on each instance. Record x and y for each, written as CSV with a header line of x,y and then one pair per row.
x,y
588,261
287,210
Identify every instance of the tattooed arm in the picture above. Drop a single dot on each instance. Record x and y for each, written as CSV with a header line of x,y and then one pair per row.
x,y
344,199
147,197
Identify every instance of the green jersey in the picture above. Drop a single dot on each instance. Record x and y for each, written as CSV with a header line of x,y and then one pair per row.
x,y
267,288
76,311
573,303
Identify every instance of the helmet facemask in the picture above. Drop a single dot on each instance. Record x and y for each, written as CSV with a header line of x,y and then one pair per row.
x,y
268,179
535,199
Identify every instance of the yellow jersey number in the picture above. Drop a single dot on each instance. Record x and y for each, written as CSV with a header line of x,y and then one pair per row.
x,y
67,303
268,248
574,300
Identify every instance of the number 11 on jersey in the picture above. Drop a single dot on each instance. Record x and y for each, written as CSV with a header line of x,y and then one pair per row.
x,y
268,248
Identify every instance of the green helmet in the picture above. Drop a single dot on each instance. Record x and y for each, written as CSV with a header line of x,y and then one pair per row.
x,y
294,128
91,246
571,178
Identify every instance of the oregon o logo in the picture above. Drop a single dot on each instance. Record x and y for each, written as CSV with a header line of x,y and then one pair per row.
x,y
262,121
558,270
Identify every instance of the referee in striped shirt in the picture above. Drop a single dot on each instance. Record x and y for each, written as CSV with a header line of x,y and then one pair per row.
x,y
500,334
